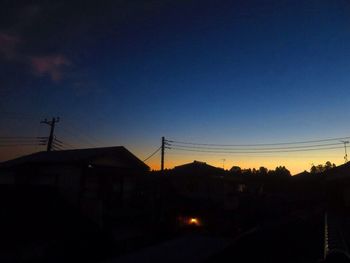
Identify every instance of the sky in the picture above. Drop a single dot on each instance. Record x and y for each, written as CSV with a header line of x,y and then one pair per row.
x,y
223,72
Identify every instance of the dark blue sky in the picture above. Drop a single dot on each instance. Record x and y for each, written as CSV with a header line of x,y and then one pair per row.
x,y
129,72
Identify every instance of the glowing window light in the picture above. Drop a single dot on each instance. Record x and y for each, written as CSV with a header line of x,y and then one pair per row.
x,y
194,221
189,221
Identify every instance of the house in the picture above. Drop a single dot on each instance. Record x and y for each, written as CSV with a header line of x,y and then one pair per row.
x,y
337,183
197,180
99,181
302,174
197,167
203,186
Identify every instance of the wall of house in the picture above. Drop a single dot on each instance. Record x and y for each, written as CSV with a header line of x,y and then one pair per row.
x,y
346,195
107,161
7,176
65,177
100,193
202,187
68,181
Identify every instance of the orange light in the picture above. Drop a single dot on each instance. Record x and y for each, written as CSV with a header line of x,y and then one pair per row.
x,y
189,221
194,221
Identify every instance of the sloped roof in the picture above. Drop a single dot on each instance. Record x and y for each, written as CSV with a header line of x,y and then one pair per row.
x,y
304,173
339,172
123,158
197,166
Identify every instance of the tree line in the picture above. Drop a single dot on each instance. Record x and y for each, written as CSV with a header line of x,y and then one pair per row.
x,y
279,170
262,171
320,168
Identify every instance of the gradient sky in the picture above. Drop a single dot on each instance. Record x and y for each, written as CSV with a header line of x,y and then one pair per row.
x,y
128,72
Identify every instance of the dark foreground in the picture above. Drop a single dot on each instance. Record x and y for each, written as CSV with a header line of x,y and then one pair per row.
x,y
297,239
37,225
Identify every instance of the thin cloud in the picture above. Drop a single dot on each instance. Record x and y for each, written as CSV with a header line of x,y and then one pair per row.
x,y
51,65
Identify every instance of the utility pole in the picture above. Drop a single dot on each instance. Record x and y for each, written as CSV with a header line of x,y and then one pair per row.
x,y
346,154
52,129
162,155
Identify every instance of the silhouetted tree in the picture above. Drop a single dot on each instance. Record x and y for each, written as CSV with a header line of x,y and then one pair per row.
x,y
329,165
321,168
263,171
236,170
313,169
282,171
247,172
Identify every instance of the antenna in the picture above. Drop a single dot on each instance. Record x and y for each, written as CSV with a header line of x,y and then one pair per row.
x,y
346,154
223,163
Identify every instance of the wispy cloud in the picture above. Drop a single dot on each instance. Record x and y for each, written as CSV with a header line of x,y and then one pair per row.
x,y
51,65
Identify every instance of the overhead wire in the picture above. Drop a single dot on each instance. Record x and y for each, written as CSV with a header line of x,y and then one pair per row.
x,y
82,133
151,155
20,144
77,136
254,152
311,154
18,137
259,144
11,141
256,149
62,144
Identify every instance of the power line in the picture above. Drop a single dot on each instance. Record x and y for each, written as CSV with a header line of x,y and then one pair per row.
x,y
150,156
21,144
258,144
18,141
254,152
8,141
256,155
57,142
255,149
16,115
77,136
89,137
19,137
63,143
299,146
57,147
67,145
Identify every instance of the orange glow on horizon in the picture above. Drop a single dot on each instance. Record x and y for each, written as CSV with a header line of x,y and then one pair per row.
x,y
295,163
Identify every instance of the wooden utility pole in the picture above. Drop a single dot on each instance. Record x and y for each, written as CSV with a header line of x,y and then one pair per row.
x,y
162,155
52,129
